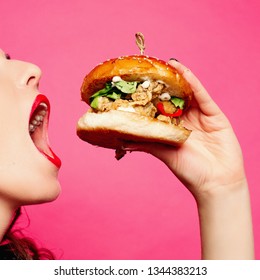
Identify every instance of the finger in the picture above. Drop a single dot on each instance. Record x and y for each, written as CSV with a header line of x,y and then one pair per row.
x,y
158,150
205,102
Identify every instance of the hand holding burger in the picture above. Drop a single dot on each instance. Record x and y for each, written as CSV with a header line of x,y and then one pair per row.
x,y
210,164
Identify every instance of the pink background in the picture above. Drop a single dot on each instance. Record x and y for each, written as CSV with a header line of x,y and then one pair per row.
x,y
134,208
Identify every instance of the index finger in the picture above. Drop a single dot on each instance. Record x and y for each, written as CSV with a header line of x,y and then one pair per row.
x,y
205,102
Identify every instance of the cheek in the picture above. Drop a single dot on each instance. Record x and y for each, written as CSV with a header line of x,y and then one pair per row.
x,y
13,117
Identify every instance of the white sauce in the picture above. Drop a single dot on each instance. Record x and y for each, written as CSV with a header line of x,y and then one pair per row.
x,y
146,84
116,79
165,96
126,109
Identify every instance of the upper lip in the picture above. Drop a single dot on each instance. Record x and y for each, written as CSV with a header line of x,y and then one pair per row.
x,y
38,128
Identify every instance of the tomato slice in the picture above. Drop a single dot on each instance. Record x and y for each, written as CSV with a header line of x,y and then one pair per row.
x,y
160,108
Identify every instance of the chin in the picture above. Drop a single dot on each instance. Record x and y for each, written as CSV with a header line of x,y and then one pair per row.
x,y
52,194
36,185
45,192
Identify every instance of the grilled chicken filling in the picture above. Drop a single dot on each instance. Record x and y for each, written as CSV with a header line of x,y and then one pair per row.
x,y
147,99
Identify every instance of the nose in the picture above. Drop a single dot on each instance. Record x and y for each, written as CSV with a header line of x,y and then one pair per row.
x,y
31,75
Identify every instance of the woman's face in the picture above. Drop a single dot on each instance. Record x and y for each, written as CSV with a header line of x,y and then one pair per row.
x,y
28,167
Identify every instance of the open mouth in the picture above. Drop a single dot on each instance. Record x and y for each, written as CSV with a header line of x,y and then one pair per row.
x,y
38,128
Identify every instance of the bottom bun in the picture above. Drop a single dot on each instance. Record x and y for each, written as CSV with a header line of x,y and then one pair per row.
x,y
113,128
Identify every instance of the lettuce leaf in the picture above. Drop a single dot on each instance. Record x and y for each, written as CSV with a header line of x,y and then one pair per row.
x,y
178,102
114,91
126,87
103,91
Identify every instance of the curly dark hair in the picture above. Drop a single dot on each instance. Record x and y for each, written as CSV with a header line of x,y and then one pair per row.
x,y
22,247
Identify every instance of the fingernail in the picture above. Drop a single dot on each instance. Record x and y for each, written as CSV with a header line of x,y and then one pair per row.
x,y
174,59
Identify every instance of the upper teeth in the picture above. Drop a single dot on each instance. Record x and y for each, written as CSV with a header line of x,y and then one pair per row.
x,y
38,118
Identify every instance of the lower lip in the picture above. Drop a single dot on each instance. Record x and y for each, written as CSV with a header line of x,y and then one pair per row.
x,y
52,157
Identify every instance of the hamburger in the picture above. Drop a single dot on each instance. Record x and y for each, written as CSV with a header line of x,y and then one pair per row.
x,y
134,98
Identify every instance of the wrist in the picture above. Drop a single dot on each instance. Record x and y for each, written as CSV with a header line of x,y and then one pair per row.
x,y
221,192
226,223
